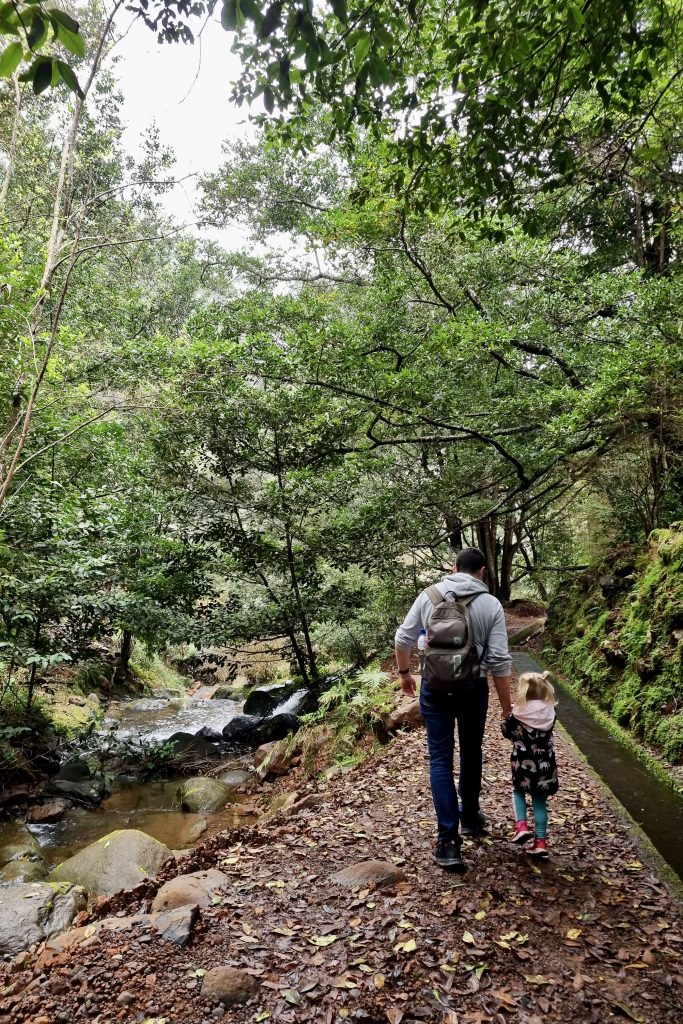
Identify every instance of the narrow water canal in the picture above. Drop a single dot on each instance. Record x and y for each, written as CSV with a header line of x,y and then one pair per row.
x,y
655,806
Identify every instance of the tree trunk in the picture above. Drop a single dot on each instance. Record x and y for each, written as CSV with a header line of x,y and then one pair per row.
x,y
123,662
507,555
299,656
291,563
12,154
454,527
34,667
486,538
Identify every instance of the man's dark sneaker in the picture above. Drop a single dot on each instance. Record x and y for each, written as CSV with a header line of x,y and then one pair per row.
x,y
447,856
473,827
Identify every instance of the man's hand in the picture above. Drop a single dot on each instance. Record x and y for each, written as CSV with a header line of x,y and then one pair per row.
x,y
408,684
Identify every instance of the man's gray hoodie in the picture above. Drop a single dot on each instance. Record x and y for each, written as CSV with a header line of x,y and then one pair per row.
x,y
486,613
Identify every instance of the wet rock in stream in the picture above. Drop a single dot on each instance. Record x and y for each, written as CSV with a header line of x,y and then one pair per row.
x,y
203,795
22,861
265,699
49,812
186,743
74,781
207,732
275,728
236,777
240,728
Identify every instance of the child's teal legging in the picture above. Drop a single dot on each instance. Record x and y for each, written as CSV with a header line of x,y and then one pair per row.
x,y
540,806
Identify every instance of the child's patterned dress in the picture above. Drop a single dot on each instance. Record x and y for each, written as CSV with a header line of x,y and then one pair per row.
x,y
534,769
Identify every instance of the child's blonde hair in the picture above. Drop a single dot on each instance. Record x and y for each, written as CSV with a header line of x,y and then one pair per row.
x,y
535,686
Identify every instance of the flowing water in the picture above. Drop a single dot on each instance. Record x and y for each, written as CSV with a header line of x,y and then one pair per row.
x,y
156,719
656,807
151,807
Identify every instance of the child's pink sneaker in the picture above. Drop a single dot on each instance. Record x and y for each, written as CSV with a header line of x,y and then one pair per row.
x,y
539,849
522,833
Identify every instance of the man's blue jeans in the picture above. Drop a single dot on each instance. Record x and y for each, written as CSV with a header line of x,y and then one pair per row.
x,y
468,707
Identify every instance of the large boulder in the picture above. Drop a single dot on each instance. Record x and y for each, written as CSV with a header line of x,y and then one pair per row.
x,y
26,848
263,700
406,715
203,795
116,861
171,925
186,743
32,913
73,771
207,732
24,871
236,777
13,795
224,693
299,703
89,792
240,728
274,759
274,728
197,889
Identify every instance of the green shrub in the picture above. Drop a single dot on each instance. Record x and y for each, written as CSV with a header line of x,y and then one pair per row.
x,y
350,712
669,738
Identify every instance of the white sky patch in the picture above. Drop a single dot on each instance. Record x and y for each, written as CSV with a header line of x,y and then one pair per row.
x,y
185,91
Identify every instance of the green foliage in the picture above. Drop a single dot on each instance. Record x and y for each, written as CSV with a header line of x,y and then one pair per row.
x,y
669,738
469,335
467,100
144,758
156,674
619,633
350,713
32,23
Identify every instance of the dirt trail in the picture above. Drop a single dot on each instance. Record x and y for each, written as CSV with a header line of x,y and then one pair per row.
x,y
590,936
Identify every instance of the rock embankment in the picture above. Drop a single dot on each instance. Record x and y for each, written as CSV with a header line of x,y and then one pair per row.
x,y
617,630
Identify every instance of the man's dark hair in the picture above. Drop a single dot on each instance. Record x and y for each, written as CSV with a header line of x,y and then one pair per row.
x,y
470,560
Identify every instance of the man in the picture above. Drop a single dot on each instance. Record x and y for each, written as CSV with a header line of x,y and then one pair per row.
x,y
465,703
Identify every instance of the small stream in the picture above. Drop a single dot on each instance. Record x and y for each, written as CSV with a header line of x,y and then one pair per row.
x,y
656,807
150,806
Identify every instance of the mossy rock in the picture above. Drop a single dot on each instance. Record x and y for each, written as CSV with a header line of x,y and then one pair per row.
x,y
203,795
117,861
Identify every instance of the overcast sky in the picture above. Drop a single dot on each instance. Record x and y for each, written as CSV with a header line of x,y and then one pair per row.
x,y
194,117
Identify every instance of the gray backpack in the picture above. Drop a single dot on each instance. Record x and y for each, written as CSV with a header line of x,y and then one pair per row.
x,y
451,659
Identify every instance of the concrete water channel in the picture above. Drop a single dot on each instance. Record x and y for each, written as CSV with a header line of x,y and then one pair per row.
x,y
654,805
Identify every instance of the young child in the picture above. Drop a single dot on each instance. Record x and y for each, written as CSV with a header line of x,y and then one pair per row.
x,y
534,771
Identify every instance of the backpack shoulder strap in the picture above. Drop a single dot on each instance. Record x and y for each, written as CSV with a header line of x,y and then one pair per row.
x,y
466,601
434,595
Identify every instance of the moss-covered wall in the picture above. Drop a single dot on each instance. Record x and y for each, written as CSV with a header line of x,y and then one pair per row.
x,y
617,631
